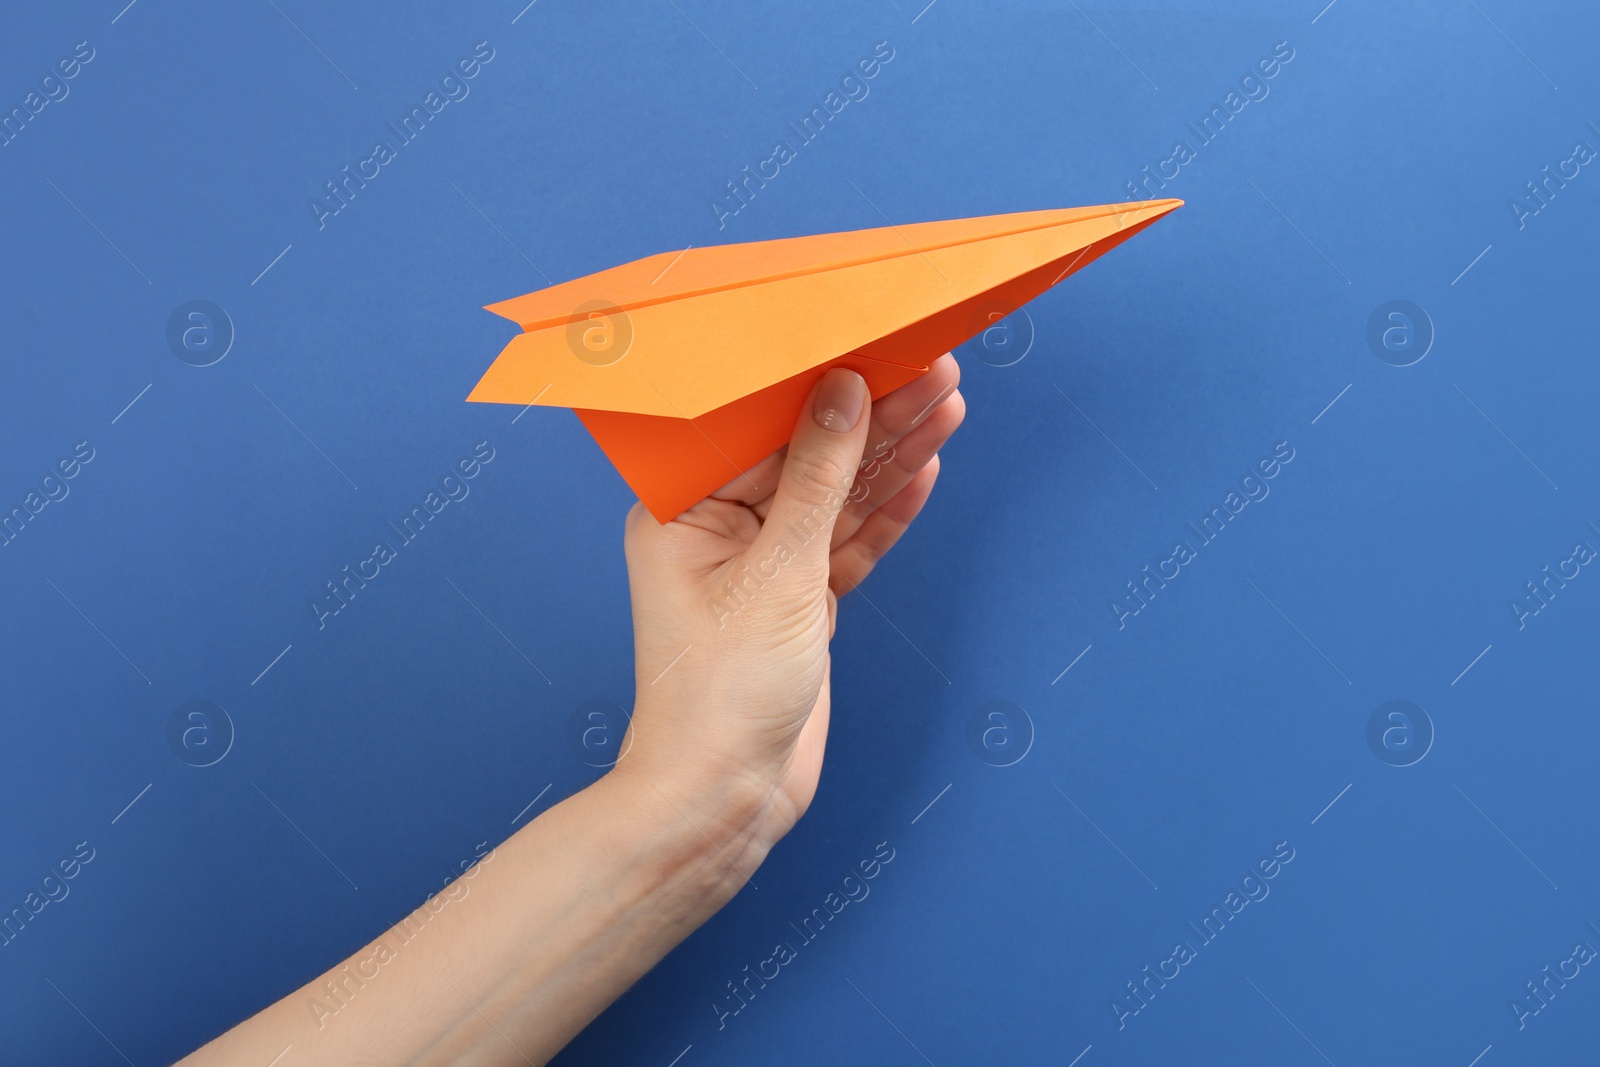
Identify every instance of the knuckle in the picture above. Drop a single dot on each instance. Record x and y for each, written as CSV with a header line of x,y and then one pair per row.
x,y
957,410
819,479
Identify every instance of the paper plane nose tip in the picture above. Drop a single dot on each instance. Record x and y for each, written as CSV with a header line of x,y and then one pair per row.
x,y
1148,211
1144,212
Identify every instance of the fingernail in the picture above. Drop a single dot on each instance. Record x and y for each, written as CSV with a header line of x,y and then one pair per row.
x,y
839,400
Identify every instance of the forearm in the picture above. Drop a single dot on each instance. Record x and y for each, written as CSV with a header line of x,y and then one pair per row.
x,y
536,940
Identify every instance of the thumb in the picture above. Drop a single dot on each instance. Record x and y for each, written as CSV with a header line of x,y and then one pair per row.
x,y
824,455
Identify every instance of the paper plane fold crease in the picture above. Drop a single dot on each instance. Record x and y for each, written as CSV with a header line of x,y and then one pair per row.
x,y
690,367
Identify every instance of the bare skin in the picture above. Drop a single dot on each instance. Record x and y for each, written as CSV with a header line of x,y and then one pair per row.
x,y
734,605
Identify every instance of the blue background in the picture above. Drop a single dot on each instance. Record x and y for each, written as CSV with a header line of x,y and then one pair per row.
x,y
1175,753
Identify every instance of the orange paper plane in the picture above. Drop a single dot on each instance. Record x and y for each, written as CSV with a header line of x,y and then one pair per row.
x,y
690,367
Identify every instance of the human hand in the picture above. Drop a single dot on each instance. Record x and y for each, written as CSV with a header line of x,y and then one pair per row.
x,y
733,607
734,601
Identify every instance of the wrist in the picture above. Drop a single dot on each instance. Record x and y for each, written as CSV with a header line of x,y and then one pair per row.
x,y
691,830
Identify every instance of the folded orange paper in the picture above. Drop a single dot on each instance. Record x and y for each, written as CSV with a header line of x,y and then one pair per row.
x,y
690,367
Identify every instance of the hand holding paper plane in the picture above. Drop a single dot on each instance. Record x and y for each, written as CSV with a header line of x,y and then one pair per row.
x,y
690,367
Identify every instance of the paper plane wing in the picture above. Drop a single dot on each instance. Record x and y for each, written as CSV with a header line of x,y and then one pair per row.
x,y
690,367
